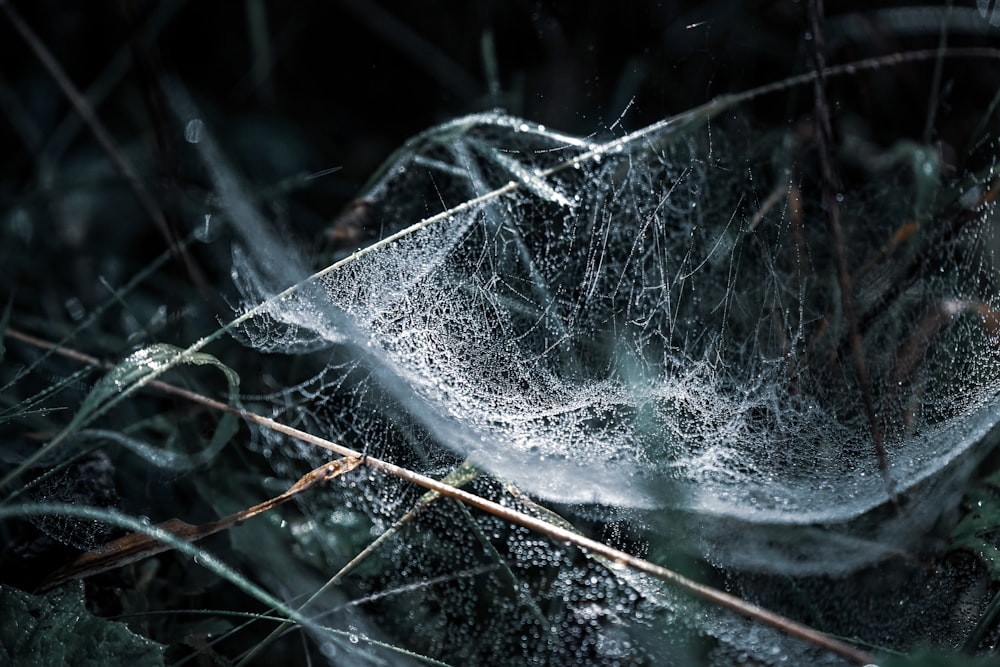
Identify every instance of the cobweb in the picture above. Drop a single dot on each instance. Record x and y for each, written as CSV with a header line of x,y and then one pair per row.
x,y
638,317
651,327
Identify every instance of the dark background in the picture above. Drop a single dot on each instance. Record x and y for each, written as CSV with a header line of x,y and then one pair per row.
x,y
293,88
344,83
290,89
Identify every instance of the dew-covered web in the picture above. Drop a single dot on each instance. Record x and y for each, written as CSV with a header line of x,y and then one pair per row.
x,y
648,329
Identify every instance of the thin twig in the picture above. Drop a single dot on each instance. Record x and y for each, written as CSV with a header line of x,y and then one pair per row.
x,y
102,85
558,533
461,475
831,186
121,163
138,546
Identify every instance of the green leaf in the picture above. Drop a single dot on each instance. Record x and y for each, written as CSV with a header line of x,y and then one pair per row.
x,y
56,629
975,531
135,368
139,367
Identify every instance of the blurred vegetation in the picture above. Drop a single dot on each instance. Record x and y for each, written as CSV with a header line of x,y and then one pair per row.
x,y
290,91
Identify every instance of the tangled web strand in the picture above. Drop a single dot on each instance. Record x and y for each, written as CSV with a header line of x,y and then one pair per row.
x,y
653,324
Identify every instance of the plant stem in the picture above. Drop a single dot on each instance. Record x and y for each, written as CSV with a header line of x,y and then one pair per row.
x,y
558,533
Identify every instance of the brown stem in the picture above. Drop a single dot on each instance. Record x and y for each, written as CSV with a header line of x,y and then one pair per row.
x,y
558,533
104,138
831,186
137,546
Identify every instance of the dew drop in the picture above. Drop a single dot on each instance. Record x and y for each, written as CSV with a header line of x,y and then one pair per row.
x,y
75,308
194,130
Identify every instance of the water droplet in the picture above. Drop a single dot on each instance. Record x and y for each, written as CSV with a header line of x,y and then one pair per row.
x,y
194,130
203,233
75,308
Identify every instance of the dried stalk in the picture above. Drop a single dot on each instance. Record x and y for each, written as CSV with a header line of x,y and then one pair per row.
x,y
557,533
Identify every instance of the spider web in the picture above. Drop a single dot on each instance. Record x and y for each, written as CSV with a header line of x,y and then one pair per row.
x,y
639,318
649,330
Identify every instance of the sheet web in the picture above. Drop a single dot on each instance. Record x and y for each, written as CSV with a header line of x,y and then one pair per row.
x,y
649,329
